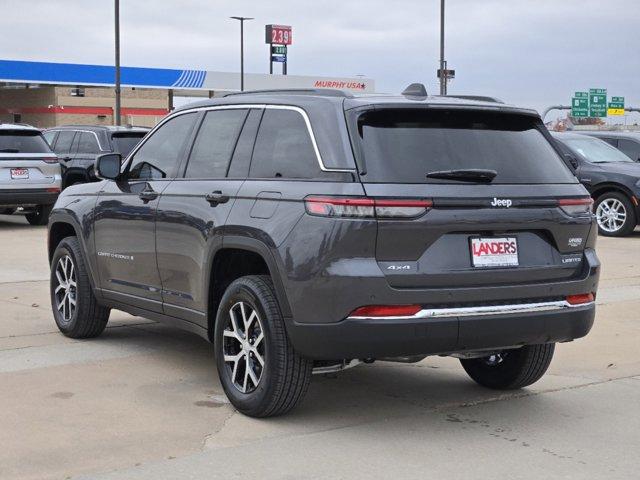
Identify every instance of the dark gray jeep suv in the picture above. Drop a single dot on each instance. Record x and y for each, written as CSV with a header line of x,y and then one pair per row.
x,y
307,231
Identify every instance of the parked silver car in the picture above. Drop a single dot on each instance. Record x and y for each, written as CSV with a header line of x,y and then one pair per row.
x,y
30,178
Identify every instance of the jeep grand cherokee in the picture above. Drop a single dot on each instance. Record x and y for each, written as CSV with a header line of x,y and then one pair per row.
x,y
305,231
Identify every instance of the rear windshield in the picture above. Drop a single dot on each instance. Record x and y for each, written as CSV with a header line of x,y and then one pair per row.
x,y
403,145
124,143
16,141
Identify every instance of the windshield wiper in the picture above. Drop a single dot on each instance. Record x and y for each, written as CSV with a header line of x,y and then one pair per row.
x,y
9,150
478,175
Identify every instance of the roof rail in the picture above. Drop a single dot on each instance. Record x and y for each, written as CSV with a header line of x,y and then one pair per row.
x,y
480,98
323,92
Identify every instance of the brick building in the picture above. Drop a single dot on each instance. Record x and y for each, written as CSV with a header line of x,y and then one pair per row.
x,y
49,106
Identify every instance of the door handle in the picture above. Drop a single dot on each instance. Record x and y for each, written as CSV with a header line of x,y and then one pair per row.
x,y
147,195
216,197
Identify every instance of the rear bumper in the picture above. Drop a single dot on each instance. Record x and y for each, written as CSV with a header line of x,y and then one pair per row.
x,y
27,197
357,337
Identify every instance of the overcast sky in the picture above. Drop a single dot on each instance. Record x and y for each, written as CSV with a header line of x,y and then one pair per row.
x,y
530,52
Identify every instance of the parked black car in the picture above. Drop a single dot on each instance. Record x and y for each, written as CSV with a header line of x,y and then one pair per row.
x,y
305,231
627,142
612,178
77,146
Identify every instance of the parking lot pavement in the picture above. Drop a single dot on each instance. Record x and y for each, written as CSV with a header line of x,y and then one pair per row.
x,y
143,400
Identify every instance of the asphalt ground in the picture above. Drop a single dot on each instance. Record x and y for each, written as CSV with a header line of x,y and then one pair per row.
x,y
143,400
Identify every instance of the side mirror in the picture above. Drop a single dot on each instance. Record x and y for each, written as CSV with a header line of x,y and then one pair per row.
x,y
572,160
107,166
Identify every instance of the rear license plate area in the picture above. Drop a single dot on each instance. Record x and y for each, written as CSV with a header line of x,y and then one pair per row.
x,y
494,252
19,173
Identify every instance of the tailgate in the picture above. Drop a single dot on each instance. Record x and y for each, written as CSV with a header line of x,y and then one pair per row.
x,y
22,170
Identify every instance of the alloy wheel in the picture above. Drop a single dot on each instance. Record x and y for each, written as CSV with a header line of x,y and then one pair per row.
x,y
611,215
66,288
243,347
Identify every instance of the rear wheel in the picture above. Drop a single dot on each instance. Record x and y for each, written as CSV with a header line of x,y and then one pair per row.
x,y
40,215
75,308
511,369
615,214
260,371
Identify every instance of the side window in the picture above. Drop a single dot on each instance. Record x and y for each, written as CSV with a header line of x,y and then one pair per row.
x,y
630,148
283,147
159,156
215,143
87,143
50,137
65,139
241,159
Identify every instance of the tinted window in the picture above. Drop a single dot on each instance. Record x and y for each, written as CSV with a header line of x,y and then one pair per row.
x,y
283,147
159,156
630,148
124,143
594,150
65,139
87,143
49,137
241,159
403,145
215,143
16,141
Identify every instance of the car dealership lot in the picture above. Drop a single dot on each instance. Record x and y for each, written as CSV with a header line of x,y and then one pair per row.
x,y
143,400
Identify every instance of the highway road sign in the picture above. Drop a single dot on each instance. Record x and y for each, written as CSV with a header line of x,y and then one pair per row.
x,y
597,102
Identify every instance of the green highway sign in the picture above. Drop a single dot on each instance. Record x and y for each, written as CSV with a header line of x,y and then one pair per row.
x,y
581,95
616,106
597,102
580,106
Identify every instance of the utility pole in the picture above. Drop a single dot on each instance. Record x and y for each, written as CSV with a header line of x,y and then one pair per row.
x,y
443,76
116,119
241,19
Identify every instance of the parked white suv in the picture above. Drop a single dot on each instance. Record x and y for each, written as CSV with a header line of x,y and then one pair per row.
x,y
30,178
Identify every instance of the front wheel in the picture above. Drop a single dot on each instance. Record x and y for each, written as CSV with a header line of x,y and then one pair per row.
x,y
510,369
260,371
40,216
75,308
615,215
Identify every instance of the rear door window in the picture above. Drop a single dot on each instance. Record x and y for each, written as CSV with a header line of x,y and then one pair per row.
x,y
215,143
630,148
17,141
283,147
403,145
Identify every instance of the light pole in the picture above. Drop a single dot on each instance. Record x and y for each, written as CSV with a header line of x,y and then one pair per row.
x,y
241,19
443,77
117,90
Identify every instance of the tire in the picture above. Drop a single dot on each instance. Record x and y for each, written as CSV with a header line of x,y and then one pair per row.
x,y
87,319
282,375
40,216
620,204
511,369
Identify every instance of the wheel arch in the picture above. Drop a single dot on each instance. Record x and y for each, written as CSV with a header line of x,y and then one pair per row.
x,y
606,187
238,257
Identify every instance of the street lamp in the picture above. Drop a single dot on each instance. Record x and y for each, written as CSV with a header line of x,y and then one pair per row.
x,y
241,19
117,90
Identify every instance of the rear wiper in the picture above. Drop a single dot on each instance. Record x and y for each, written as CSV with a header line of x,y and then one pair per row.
x,y
479,175
9,150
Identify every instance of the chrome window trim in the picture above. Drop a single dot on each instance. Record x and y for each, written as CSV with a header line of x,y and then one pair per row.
x,y
265,106
484,310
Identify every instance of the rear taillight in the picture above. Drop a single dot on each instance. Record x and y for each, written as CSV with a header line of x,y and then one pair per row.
x,y
386,311
576,206
53,190
581,298
364,207
50,160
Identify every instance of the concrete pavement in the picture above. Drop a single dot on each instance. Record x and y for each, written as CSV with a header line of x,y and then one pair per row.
x,y
143,400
